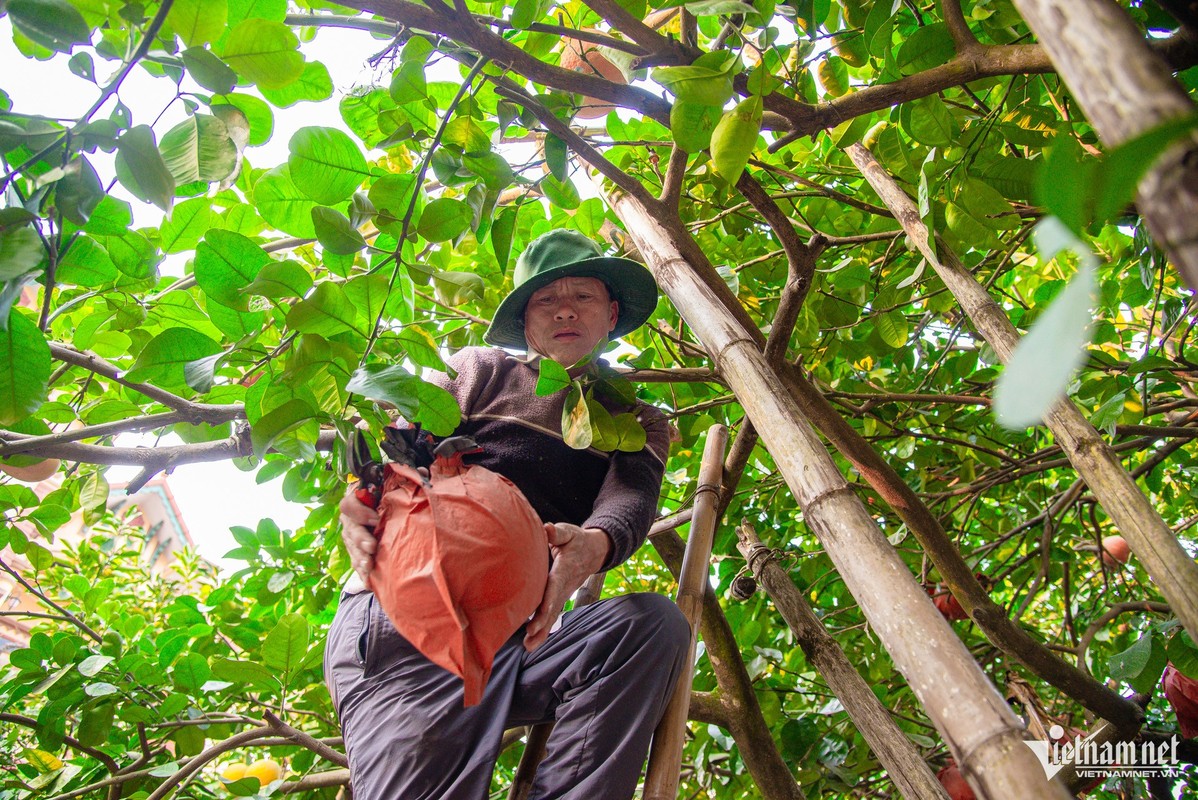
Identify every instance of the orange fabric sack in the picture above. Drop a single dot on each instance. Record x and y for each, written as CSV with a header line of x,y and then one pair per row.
x,y
461,564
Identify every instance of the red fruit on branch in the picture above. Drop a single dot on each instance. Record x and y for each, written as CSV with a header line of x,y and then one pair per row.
x,y
1115,550
1182,694
585,57
954,782
948,606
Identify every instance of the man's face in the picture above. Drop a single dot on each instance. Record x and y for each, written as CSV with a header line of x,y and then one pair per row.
x,y
568,318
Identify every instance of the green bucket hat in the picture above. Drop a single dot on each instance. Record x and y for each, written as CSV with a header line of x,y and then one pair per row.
x,y
567,253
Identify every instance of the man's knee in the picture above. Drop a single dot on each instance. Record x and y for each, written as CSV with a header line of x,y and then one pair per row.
x,y
661,621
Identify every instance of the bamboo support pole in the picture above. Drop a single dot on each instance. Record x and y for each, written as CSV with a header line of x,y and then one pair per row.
x,y
983,734
1125,89
1150,538
665,755
903,762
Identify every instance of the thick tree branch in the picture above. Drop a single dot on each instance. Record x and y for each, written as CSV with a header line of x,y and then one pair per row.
x,y
464,30
211,415
800,266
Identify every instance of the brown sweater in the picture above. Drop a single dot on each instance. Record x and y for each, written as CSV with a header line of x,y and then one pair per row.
x,y
521,438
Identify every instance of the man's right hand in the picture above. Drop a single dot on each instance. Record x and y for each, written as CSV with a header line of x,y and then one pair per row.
x,y
357,531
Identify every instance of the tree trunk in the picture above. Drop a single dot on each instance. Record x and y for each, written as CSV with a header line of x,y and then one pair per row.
x,y
980,729
894,750
1126,89
1150,538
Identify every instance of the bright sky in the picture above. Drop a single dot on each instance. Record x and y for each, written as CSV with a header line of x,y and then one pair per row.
x,y
212,496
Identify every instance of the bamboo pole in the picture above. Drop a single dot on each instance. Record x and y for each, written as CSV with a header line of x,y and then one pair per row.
x,y
1125,89
665,755
979,728
1150,538
903,762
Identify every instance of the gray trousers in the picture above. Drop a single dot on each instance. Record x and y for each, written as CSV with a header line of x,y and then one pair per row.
x,y
604,676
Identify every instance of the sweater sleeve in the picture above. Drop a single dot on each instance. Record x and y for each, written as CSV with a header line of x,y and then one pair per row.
x,y
628,500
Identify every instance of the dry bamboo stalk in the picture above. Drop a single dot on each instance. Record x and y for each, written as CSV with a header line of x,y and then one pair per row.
x,y
1150,538
1126,89
665,756
903,762
983,734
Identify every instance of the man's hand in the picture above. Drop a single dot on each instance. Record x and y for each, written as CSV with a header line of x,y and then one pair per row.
x,y
357,531
578,553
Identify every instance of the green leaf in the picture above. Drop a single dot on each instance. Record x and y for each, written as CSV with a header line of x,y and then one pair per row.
x,y
191,672
187,224
717,8
439,412
1182,654
892,328
163,360
926,47
603,427
95,724
20,251
387,384
78,192
24,368
698,85
141,170
277,422
281,279
325,164
928,121
444,219
1121,168
408,83
243,672
556,155
327,312
198,21
734,138
314,85
630,435
225,264
335,232
261,118
54,24
206,68
1065,183
502,230
1141,665
692,125
563,194
283,205
576,419
286,644
92,665
199,149
367,294
264,52
200,374
551,377
1046,358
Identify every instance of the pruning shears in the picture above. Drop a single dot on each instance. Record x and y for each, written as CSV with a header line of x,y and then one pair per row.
x,y
367,469
411,446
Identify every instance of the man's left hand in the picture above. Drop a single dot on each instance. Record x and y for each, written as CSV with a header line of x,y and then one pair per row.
x,y
578,553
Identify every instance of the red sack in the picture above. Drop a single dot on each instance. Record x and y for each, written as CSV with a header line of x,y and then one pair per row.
x,y
1182,694
462,563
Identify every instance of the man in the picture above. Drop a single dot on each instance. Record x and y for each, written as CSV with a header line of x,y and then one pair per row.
x,y
604,674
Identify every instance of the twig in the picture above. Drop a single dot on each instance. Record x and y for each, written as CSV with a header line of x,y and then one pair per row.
x,y
67,615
